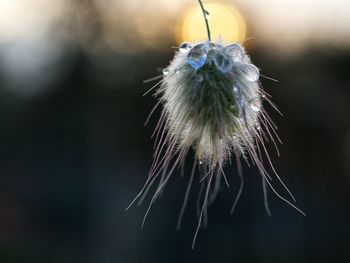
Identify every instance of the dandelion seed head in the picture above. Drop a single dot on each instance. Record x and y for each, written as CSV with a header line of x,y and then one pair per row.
x,y
212,104
210,96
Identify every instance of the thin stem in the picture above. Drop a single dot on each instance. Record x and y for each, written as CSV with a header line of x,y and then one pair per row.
x,y
205,13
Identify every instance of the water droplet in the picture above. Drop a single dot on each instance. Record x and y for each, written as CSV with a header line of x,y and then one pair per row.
x,y
198,78
222,62
257,126
237,94
165,71
200,162
250,72
198,55
239,101
255,105
211,46
234,137
207,15
185,47
236,52
177,71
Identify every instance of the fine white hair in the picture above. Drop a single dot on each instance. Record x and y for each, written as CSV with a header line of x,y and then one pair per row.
x,y
212,103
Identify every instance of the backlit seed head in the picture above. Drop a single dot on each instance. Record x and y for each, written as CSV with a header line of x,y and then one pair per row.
x,y
210,100
212,104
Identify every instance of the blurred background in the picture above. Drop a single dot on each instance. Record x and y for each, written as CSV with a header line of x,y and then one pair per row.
x,y
74,151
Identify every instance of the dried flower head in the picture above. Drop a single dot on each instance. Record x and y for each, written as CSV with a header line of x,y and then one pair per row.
x,y
212,104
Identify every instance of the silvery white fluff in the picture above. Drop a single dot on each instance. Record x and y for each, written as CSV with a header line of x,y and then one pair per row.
x,y
212,103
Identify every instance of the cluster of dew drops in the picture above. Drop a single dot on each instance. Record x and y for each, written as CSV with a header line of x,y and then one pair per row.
x,y
225,58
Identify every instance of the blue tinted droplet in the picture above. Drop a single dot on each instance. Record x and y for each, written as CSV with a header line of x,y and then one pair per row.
x,y
198,56
222,62
197,62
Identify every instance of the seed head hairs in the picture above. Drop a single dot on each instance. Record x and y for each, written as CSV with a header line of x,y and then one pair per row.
x,y
212,106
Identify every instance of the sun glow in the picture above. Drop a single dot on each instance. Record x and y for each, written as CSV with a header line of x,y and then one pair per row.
x,y
226,23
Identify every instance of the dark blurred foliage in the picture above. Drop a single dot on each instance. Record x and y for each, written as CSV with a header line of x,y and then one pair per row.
x,y
74,157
